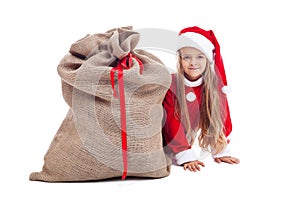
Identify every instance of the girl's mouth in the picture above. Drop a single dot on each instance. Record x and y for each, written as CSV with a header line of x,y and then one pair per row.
x,y
193,68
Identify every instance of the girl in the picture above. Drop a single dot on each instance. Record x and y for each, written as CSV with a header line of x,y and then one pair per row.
x,y
197,101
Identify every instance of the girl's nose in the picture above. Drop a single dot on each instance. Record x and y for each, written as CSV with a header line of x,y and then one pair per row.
x,y
193,61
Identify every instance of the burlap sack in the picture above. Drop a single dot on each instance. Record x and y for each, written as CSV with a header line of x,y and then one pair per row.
x,y
88,144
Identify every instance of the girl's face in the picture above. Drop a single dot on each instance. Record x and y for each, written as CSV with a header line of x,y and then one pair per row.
x,y
193,62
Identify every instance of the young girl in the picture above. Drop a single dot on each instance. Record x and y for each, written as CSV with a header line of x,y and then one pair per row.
x,y
197,101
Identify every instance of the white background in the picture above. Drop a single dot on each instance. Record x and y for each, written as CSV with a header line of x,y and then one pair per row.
x,y
259,44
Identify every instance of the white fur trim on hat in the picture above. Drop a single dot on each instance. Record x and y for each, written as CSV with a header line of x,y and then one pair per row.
x,y
198,41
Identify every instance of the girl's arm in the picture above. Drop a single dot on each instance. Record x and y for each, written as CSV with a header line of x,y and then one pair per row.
x,y
174,133
227,130
225,155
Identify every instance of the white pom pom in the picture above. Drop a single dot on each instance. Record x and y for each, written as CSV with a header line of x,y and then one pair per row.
x,y
190,96
226,89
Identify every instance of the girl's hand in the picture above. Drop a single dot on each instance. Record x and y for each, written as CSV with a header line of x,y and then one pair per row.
x,y
227,159
193,166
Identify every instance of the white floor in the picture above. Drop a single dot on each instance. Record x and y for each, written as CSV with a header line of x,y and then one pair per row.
x,y
256,177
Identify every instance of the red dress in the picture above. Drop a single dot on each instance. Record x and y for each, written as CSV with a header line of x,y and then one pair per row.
x,y
174,132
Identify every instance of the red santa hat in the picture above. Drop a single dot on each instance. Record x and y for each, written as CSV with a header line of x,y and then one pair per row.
x,y
208,44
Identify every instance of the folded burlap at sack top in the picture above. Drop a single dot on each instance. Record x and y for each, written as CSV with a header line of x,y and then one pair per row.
x,y
113,127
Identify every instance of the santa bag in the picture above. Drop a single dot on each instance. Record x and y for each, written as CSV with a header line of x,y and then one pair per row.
x,y
113,127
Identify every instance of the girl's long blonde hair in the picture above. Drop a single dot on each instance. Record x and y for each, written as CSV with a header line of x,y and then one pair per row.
x,y
210,113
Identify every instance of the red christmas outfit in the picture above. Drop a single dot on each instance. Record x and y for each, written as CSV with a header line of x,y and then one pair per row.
x,y
174,132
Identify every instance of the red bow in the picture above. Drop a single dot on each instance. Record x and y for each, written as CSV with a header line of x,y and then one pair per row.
x,y
124,63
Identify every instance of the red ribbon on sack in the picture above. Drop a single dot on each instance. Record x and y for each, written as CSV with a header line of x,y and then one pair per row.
x,y
124,63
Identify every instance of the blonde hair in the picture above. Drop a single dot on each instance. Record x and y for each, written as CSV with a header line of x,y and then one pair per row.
x,y
210,112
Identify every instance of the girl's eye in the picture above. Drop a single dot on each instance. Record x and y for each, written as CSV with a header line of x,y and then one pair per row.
x,y
186,57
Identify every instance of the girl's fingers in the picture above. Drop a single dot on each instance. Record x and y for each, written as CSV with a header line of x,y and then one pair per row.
x,y
235,160
185,166
197,167
200,163
227,160
193,166
230,161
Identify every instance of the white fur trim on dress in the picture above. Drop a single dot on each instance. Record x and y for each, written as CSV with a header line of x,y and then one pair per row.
x,y
225,152
186,156
193,83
